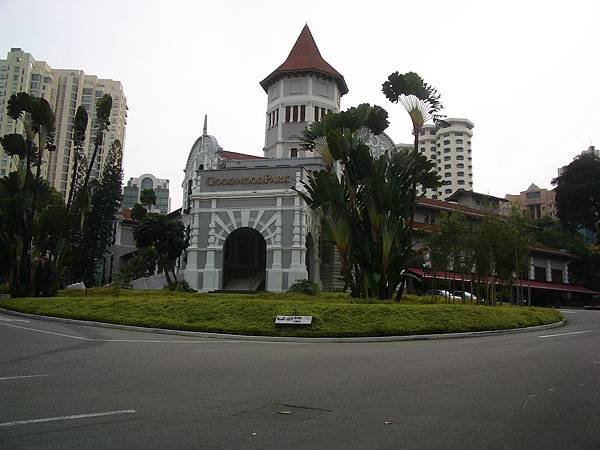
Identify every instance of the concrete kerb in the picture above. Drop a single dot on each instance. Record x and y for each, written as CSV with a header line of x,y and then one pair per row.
x,y
241,337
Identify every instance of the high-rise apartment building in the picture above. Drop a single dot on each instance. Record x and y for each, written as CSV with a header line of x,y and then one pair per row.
x,y
135,186
449,148
65,90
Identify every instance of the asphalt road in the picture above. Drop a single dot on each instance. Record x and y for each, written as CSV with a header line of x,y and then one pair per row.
x,y
66,386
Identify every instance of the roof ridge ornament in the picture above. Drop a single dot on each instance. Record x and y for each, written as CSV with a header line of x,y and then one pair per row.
x,y
204,133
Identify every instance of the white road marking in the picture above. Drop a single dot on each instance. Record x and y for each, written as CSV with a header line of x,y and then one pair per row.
x,y
78,416
207,341
22,376
562,334
6,319
567,312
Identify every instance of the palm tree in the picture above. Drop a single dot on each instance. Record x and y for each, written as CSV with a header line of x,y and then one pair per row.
x,y
365,201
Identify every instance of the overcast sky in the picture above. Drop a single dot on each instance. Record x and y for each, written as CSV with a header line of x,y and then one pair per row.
x,y
527,73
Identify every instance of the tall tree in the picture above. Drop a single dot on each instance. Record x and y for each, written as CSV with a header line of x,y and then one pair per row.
x,y
162,237
578,193
79,128
97,233
103,108
148,198
23,189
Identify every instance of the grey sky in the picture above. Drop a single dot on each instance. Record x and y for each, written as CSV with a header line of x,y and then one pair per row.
x,y
527,73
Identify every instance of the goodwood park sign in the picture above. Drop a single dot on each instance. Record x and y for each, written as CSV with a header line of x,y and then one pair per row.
x,y
254,179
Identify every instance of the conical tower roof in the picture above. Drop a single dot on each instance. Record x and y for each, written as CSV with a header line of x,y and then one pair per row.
x,y
305,57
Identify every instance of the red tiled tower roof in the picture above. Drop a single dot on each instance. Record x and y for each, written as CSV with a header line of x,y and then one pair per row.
x,y
305,58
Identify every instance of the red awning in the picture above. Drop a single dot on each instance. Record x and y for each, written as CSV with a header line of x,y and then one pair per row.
x,y
533,284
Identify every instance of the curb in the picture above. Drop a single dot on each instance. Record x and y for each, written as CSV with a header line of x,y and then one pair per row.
x,y
241,337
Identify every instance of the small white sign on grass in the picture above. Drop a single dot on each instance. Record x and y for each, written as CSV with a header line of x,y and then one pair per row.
x,y
293,320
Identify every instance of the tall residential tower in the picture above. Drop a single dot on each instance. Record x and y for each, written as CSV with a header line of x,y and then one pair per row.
x,y
65,90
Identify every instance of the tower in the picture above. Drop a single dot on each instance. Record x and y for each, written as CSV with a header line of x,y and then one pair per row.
x,y
449,148
300,91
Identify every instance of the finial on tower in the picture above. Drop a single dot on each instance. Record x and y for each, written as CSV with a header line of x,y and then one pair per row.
x,y
204,128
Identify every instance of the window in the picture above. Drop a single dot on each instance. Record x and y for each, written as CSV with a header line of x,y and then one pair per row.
x,y
459,141
532,195
461,182
446,142
446,158
288,110
294,153
448,191
460,157
316,113
432,149
302,113
460,149
295,113
447,175
458,133
422,132
461,174
539,273
557,276
460,166
446,150
448,166
432,132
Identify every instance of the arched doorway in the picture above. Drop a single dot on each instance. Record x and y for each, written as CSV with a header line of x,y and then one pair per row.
x,y
244,260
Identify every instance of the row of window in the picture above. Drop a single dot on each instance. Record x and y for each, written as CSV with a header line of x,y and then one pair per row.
x,y
295,113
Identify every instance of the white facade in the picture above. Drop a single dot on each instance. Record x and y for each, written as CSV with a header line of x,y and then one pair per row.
x,y
449,148
65,90
294,102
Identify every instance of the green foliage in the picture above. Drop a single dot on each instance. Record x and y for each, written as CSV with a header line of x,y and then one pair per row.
x,y
148,197
30,215
368,209
179,286
165,236
14,145
91,240
483,248
138,212
578,193
255,314
143,264
305,287
584,269
420,99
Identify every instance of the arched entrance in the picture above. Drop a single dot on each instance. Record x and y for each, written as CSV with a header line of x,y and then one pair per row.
x,y
244,260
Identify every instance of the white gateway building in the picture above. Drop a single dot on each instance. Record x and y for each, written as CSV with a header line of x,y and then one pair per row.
x,y
247,228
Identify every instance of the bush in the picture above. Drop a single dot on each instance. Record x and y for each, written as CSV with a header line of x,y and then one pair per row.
x,y
180,285
305,287
4,288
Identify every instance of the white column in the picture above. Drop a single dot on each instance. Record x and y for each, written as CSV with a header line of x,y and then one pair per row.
x,y
566,272
275,273
548,270
531,268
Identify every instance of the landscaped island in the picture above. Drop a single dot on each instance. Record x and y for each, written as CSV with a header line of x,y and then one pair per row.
x,y
335,314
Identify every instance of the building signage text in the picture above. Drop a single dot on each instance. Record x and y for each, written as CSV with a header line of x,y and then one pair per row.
x,y
254,179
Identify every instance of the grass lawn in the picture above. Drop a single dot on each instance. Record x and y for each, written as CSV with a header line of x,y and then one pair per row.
x,y
335,314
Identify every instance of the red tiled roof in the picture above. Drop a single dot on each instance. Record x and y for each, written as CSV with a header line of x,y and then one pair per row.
x,y
448,206
235,155
305,57
544,285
